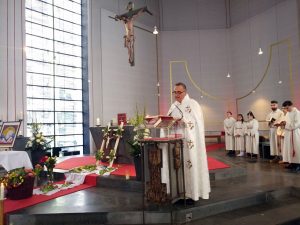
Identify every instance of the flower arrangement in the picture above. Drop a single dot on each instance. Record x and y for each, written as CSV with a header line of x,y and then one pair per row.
x,y
38,141
140,132
38,169
49,163
15,178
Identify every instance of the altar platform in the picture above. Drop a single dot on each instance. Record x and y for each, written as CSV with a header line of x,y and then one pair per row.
x,y
246,193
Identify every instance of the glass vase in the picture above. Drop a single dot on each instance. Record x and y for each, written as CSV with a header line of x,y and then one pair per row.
x,y
50,175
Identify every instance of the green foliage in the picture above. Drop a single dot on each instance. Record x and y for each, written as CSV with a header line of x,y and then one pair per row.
x,y
140,132
99,155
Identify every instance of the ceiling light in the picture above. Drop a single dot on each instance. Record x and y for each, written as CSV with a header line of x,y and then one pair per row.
x,y
280,82
260,52
228,75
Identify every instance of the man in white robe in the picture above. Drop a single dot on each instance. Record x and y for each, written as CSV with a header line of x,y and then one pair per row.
x,y
228,129
293,127
274,118
197,183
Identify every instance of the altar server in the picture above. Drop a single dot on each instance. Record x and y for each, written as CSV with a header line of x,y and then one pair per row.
x,y
228,129
282,135
273,118
239,132
292,127
252,135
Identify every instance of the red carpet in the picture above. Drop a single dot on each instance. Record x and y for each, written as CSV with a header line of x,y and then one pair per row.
x,y
90,180
214,147
13,205
214,164
86,160
68,164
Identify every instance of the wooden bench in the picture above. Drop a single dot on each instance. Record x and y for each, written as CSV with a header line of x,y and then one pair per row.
x,y
215,135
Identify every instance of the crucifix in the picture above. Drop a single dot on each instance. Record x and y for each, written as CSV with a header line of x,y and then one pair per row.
x,y
127,19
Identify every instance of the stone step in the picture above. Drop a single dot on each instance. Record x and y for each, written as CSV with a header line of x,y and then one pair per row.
x,y
120,183
277,212
156,215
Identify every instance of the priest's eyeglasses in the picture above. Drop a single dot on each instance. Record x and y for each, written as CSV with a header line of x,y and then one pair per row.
x,y
178,92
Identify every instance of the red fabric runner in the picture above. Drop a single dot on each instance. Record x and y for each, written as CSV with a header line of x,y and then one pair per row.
x,y
214,164
13,205
122,170
214,147
68,164
90,180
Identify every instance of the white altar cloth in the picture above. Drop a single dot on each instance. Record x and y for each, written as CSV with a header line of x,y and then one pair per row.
x,y
10,160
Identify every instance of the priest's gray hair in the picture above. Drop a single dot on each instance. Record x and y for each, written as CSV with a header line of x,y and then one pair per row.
x,y
181,84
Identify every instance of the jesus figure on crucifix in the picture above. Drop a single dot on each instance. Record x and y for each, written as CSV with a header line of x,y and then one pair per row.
x,y
128,19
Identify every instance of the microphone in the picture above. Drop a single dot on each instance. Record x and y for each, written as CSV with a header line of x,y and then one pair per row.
x,y
181,113
174,106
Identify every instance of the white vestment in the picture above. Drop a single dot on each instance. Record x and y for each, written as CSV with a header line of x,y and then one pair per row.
x,y
239,132
197,183
228,128
277,114
252,137
293,128
284,134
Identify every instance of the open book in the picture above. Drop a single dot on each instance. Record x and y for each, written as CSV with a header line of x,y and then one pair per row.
x,y
159,121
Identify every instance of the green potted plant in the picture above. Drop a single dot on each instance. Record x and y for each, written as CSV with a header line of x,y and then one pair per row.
x,y
139,132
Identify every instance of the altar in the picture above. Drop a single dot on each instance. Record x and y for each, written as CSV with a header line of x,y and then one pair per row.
x,y
10,160
123,153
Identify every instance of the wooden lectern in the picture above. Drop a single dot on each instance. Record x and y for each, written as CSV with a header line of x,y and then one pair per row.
x,y
155,191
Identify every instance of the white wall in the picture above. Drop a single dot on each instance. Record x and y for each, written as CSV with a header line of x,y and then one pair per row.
x,y
275,24
192,14
115,86
206,52
210,52
12,73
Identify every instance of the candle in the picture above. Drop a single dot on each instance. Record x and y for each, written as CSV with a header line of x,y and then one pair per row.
x,y
127,175
2,191
20,115
98,121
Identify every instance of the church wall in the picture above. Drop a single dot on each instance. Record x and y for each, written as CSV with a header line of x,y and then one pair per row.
x,y
179,15
273,25
206,53
12,58
115,86
212,53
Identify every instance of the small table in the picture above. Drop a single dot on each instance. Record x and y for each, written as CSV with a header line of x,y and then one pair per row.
x,y
14,159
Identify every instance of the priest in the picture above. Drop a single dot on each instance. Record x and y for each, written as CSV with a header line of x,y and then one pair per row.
x,y
191,125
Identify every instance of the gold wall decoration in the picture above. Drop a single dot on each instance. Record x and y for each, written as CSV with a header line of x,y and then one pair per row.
x,y
286,42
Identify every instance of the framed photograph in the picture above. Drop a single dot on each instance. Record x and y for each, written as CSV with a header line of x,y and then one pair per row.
x,y
9,132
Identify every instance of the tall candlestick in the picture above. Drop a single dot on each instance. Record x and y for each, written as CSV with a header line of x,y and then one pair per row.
x,y
2,191
1,212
